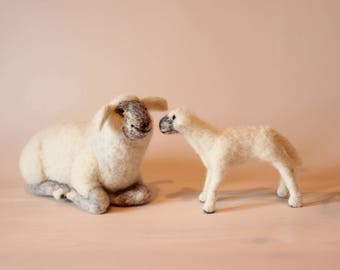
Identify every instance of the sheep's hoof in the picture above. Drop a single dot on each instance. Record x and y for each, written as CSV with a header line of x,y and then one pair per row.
x,y
59,194
70,195
295,201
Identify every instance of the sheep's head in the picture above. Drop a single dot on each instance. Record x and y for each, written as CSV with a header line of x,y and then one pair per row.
x,y
137,122
175,121
131,115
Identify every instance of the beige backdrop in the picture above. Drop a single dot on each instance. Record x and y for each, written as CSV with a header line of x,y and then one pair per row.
x,y
232,62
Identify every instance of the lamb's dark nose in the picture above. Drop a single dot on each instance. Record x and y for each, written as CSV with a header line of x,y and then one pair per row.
x,y
162,122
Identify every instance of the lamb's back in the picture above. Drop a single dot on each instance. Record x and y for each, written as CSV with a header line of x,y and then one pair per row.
x,y
240,143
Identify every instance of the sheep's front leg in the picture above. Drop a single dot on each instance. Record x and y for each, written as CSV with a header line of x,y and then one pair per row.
x,y
202,197
96,202
137,194
87,192
216,177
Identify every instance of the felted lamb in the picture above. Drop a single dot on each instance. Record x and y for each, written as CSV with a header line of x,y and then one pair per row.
x,y
221,148
94,163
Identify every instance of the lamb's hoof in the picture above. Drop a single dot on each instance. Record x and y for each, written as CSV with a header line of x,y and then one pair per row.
x,y
207,212
209,209
295,201
282,193
201,198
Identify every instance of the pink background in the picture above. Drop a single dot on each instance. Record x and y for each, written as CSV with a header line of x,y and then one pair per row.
x,y
233,63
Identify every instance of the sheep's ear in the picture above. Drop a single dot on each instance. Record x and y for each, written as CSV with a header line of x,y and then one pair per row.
x,y
104,114
155,103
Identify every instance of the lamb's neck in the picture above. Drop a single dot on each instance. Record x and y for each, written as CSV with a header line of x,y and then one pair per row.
x,y
200,135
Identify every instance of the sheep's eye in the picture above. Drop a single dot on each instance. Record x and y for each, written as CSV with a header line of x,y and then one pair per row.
x,y
173,117
119,111
132,126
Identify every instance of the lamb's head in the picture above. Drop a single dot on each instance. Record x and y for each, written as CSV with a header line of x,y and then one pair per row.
x,y
131,115
175,121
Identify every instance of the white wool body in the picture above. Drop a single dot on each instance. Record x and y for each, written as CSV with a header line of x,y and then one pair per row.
x,y
90,154
234,146
75,154
219,149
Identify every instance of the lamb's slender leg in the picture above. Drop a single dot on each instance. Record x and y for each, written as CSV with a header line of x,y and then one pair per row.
x,y
50,188
202,197
282,190
137,194
96,202
287,174
216,177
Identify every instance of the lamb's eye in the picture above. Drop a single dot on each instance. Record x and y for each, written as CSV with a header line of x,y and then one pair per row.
x,y
173,117
132,126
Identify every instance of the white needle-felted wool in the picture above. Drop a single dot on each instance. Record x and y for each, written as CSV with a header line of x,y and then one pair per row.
x,y
219,149
88,163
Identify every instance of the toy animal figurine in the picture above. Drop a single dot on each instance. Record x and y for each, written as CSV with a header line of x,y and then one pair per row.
x,y
94,163
221,148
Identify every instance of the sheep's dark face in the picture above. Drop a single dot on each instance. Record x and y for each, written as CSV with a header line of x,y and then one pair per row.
x,y
137,122
166,124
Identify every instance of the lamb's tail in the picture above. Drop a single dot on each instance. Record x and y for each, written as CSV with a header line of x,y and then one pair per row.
x,y
289,149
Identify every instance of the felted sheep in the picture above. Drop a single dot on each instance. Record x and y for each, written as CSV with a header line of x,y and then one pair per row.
x,y
94,163
221,148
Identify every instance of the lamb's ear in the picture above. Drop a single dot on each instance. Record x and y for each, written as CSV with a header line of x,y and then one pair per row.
x,y
104,114
155,103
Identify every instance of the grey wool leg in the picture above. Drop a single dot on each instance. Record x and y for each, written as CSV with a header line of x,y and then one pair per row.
x,y
49,188
97,201
137,194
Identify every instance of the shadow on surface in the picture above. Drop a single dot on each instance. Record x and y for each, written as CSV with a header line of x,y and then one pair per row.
x,y
156,186
317,198
319,186
243,206
186,194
